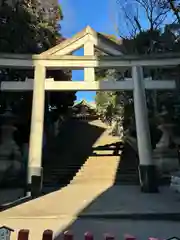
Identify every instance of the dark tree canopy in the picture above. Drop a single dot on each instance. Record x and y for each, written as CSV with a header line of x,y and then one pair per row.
x,y
28,27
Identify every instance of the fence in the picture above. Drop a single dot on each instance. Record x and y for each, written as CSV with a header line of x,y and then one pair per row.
x,y
48,235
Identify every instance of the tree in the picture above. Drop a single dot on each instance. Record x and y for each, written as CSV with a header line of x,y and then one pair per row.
x,y
149,31
26,23
171,6
33,31
131,13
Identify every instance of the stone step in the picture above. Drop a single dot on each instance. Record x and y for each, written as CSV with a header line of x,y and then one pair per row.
x,y
104,170
92,181
125,177
89,175
100,176
111,158
99,168
98,165
106,167
61,166
102,161
58,177
100,180
89,166
95,173
117,177
91,170
131,181
57,171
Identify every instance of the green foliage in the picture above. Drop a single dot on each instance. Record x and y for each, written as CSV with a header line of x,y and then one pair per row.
x,y
26,28
104,99
146,35
147,42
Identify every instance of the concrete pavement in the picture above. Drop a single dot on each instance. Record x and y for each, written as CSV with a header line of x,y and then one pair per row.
x,y
142,230
127,202
62,209
56,210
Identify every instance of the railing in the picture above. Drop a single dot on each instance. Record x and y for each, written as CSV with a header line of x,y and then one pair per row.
x,y
48,235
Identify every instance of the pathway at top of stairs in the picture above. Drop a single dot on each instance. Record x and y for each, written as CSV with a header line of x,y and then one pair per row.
x,y
58,209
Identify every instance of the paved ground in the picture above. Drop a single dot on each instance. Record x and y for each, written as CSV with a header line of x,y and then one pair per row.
x,y
142,230
57,209
61,209
78,199
129,200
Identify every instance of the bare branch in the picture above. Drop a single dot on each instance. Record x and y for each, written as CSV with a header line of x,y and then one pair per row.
x,y
152,9
138,24
128,20
175,10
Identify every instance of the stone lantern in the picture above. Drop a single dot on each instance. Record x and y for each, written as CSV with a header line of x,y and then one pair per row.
x,y
166,152
10,155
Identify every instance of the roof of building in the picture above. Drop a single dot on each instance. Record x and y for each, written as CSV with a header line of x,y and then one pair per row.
x,y
5,227
83,102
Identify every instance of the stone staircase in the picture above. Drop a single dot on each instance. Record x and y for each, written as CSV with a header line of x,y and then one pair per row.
x,y
65,154
111,161
102,164
121,169
97,170
89,160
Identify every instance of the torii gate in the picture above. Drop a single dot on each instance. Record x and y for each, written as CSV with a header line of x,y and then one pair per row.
x,y
59,57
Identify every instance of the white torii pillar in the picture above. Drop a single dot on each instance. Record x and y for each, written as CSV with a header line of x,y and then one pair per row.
x,y
36,134
147,169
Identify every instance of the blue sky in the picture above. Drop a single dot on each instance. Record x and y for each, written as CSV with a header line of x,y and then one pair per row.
x,y
99,14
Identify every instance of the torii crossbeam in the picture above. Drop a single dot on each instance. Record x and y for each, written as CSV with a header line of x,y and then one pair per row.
x,y
105,85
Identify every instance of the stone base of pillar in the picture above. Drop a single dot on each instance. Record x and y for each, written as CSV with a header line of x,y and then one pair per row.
x,y
148,178
35,181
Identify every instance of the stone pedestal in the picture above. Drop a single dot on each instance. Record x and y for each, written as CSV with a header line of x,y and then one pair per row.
x,y
10,155
175,181
166,153
166,161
